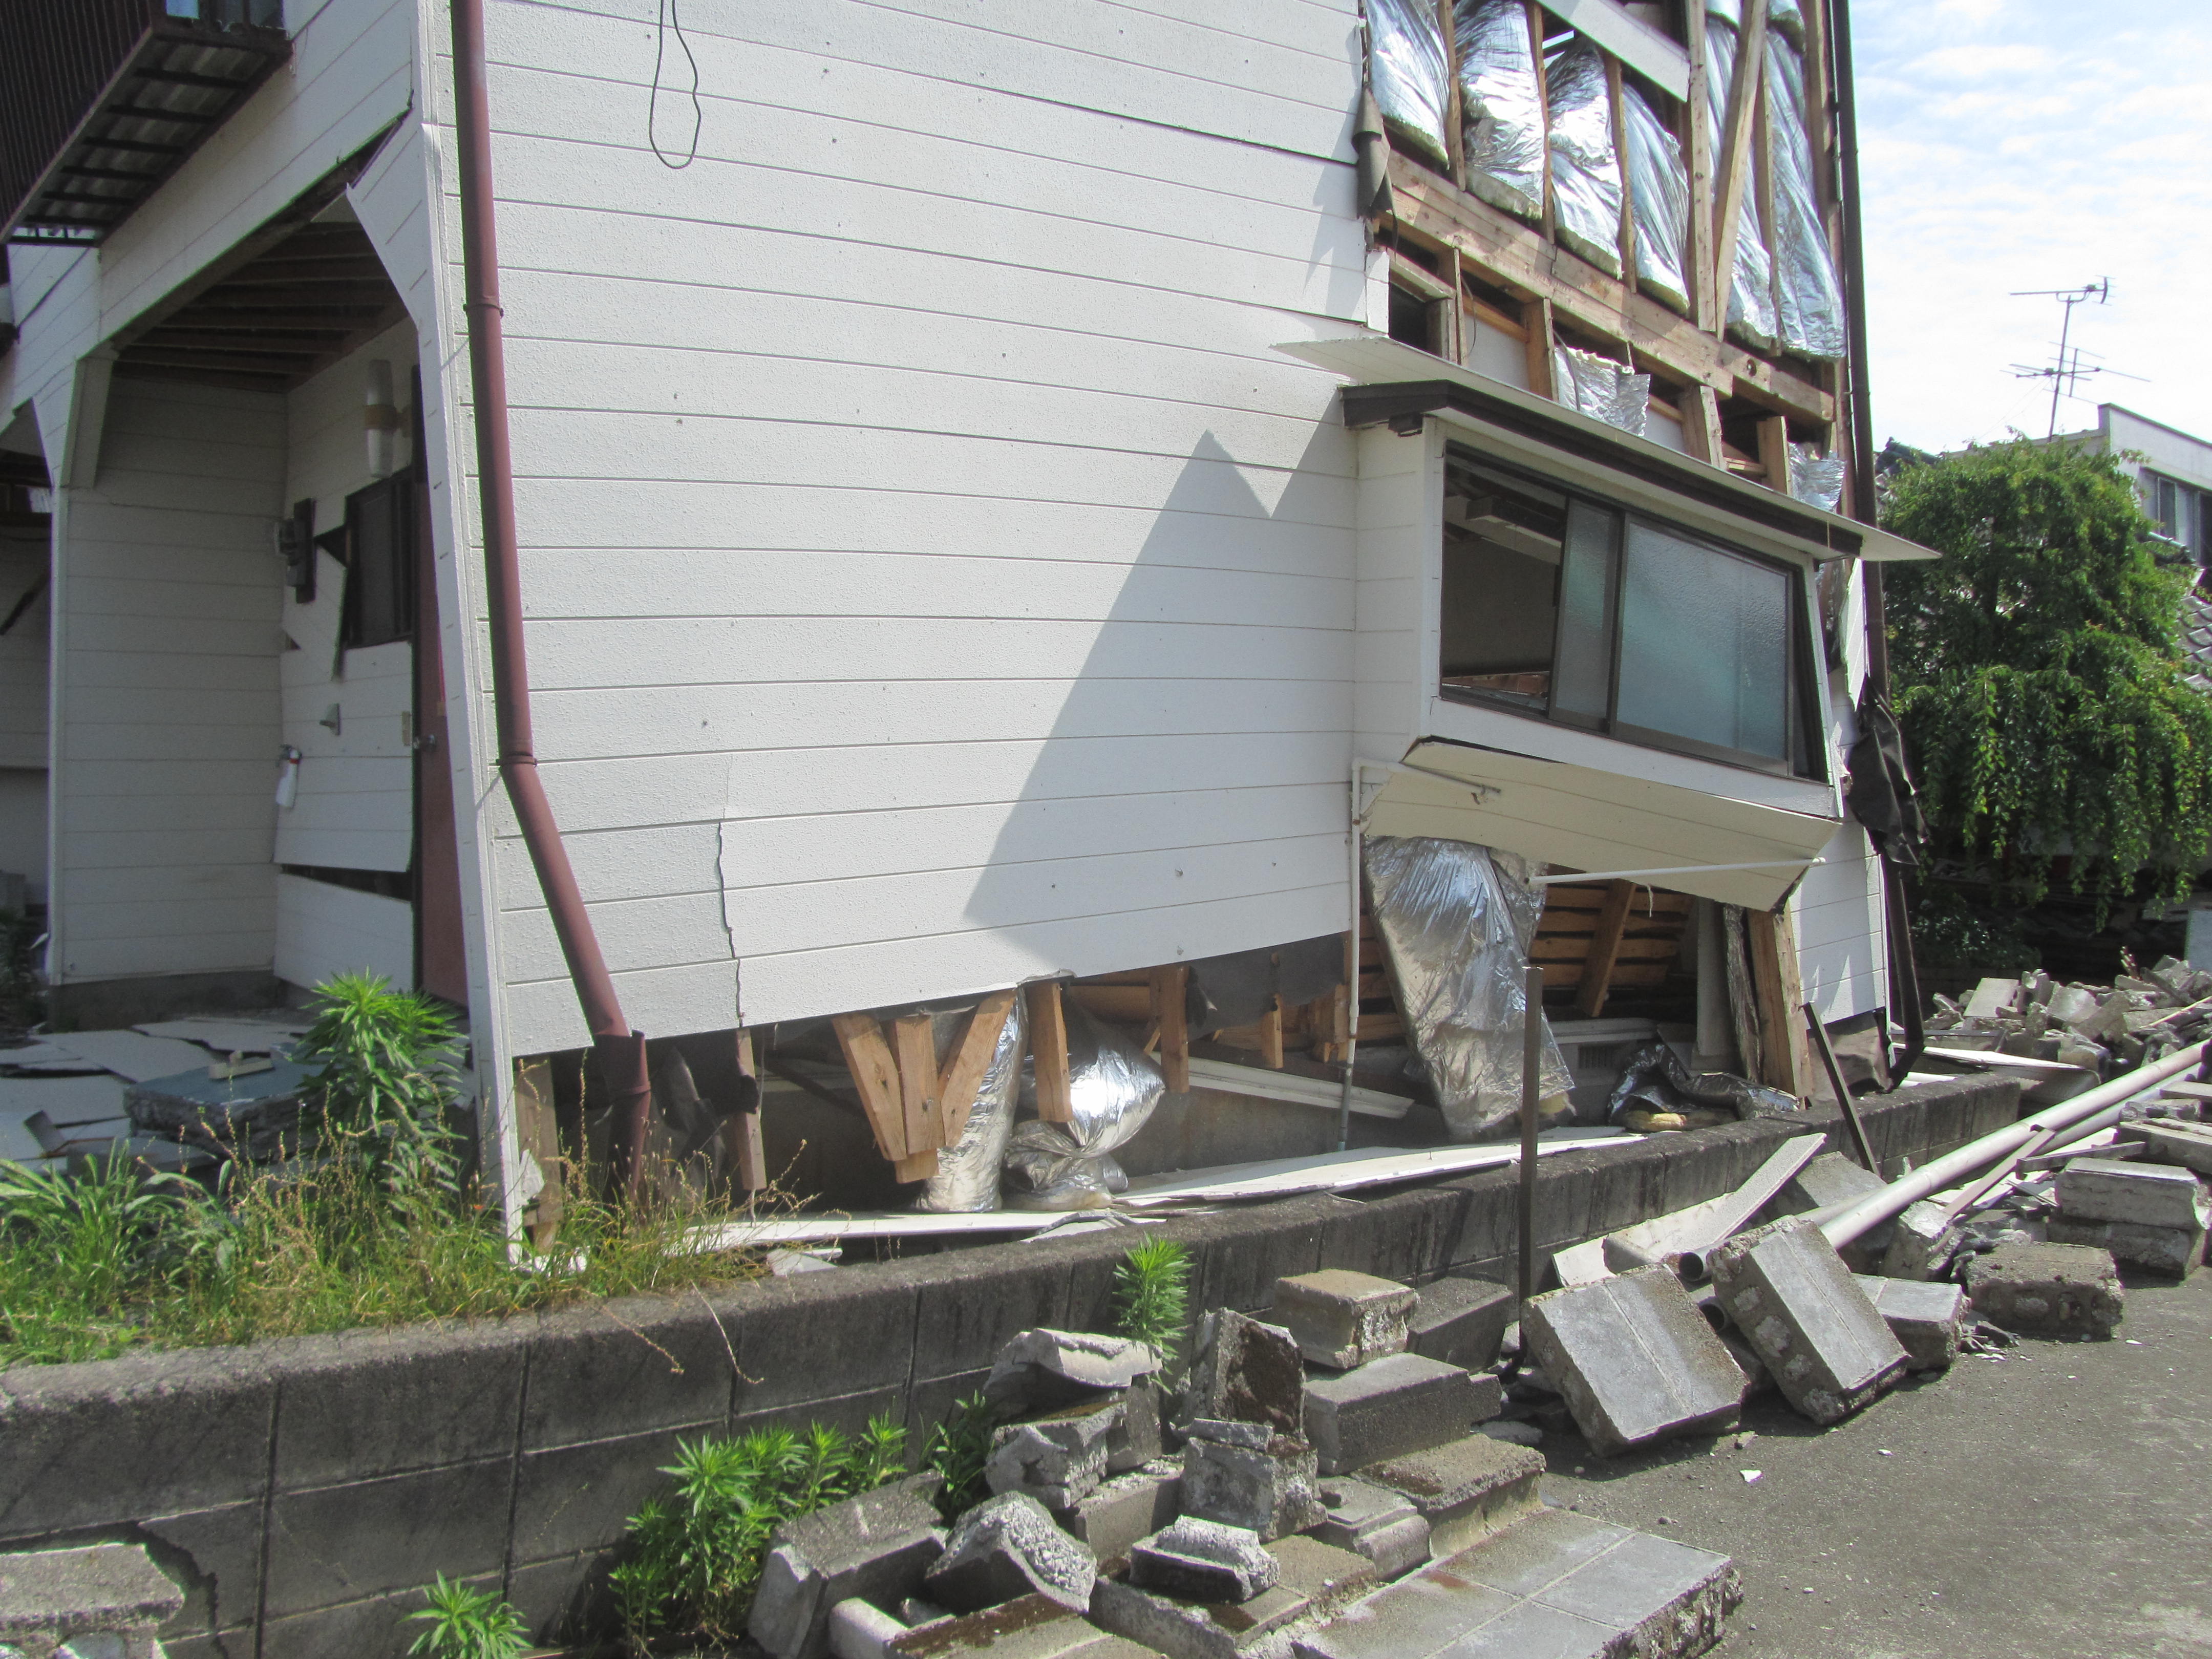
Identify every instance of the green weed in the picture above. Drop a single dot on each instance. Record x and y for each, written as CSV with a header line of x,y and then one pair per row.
x,y
467,1623
1151,1295
958,1449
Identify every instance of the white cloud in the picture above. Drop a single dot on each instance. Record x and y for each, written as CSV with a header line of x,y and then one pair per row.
x,y
2013,145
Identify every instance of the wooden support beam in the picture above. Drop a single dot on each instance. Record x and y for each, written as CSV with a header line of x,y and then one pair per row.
x,y
1604,949
538,1130
1784,1048
1774,451
1734,163
741,1129
1616,106
1455,116
1328,1018
1546,206
1697,146
1171,1014
971,1059
1701,425
1536,342
1507,254
914,1047
875,1076
1270,1028
1055,1097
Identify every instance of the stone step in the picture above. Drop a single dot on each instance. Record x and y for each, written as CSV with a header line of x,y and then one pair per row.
x,y
1032,1627
1389,1407
1465,1489
1315,1580
1556,1585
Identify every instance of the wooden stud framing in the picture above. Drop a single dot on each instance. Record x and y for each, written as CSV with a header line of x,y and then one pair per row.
x,y
1734,161
1049,1052
537,1129
1454,117
1170,1012
1698,145
1784,1060
875,1075
1270,1028
741,1130
1604,949
1548,210
971,1059
915,1047
1774,451
1616,101
1701,424
1536,343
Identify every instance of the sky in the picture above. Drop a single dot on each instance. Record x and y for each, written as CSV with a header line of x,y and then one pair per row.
x,y
2016,145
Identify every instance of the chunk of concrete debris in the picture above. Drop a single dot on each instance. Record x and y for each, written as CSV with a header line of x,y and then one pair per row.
x,y
1124,1509
1399,1403
1796,1304
1922,1244
1375,1522
1314,1581
861,1630
1203,1561
1466,1490
1007,1547
1029,1627
1043,1370
1137,1438
1992,996
876,1547
1058,1459
2047,1289
2147,1194
1459,1321
1757,1379
1830,1179
2182,1146
2175,1251
1928,1320
100,1598
1245,1371
1267,1489
1635,1359
1342,1319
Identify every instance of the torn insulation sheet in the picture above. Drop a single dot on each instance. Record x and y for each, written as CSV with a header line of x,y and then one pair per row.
x,y
968,1171
1808,298
1602,387
1112,1089
1751,294
1816,479
1585,167
1406,71
1501,105
1659,196
1456,921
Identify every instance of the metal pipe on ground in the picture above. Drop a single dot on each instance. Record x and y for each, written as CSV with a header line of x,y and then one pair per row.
x,y
1531,1089
1842,1223
620,1050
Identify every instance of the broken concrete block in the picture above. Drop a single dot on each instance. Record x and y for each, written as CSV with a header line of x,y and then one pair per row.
x,y
1243,1370
1635,1359
1058,1459
1757,1379
1269,1490
2177,1251
861,1630
1992,996
1790,1293
1254,1436
1459,1321
1136,1439
2147,1195
1199,1560
1043,1370
1922,1244
1399,1403
2047,1289
1342,1319
100,1599
1007,1547
2182,1146
1375,1522
1464,1491
1315,1581
1124,1509
1029,1627
1928,1320
876,1547
1831,1178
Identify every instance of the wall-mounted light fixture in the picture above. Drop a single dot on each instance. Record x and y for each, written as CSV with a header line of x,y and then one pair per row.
x,y
379,419
296,545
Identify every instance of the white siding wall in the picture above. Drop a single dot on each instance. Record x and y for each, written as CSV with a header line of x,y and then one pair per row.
x,y
166,628
24,556
935,579
322,929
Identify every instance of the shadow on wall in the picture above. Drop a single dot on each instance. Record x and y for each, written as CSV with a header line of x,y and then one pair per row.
x,y
1189,798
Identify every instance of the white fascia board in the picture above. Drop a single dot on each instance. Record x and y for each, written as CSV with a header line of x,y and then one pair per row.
x,y
1608,24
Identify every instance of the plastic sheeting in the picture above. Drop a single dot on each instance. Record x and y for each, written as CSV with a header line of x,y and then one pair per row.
x,y
1659,196
1751,295
1815,478
1809,297
1655,1077
1112,1089
1598,385
1585,167
1407,70
1456,921
1501,105
967,1175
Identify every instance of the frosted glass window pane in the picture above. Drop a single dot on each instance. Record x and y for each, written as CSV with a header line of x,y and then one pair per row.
x,y
1704,649
1583,673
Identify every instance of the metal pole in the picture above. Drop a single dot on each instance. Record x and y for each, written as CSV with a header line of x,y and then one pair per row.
x,y
1351,973
1532,1076
1843,1094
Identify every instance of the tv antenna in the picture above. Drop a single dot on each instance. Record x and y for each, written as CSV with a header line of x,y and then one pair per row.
x,y
2067,374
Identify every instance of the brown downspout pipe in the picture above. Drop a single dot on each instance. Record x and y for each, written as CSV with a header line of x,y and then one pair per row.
x,y
1904,970
620,1050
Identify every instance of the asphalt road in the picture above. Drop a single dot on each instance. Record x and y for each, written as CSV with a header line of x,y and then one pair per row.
x,y
2056,1501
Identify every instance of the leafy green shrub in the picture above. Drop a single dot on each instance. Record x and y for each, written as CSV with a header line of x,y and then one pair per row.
x,y
75,1250
1151,1295
467,1623
386,1063
695,1553
958,1449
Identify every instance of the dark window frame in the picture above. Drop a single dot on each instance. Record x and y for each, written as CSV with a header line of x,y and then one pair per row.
x,y
1807,758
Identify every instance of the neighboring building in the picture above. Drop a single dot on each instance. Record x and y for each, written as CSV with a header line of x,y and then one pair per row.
x,y
2172,470
952,556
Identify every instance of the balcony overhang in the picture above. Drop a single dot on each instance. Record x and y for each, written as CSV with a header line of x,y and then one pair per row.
x,y
1402,385
177,82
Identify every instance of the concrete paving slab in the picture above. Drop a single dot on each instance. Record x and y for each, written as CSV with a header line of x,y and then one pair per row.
x,y
1465,1491
1635,1359
1537,1552
1804,1314
1375,1522
135,1057
2147,1194
66,1100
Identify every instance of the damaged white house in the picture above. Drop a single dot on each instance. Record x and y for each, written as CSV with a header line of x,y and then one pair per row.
x,y
999,527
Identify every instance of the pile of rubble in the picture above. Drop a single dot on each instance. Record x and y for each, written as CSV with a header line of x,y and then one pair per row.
x,y
2104,1028
1321,1486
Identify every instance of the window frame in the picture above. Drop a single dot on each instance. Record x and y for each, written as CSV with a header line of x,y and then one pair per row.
x,y
1808,760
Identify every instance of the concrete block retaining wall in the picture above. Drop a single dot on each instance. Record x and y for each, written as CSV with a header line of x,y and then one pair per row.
x,y
303,1490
